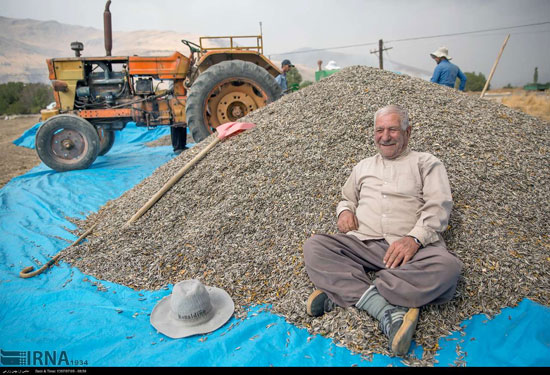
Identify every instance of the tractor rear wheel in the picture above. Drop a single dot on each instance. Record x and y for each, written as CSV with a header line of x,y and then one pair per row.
x,y
226,92
67,142
106,140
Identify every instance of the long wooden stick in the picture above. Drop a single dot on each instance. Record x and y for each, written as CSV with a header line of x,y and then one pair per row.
x,y
27,271
171,182
494,66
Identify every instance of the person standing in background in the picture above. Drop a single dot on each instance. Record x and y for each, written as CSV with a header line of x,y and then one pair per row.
x,y
281,78
445,72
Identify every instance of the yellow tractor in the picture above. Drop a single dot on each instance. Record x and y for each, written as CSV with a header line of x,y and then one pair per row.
x,y
97,95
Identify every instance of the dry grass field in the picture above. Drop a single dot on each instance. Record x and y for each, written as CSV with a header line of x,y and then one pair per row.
x,y
534,104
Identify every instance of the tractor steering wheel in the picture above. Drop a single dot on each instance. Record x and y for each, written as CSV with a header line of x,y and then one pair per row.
x,y
191,48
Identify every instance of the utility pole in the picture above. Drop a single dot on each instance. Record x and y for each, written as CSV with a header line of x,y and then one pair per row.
x,y
379,51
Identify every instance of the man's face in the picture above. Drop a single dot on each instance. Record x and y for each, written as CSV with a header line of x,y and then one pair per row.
x,y
286,68
389,138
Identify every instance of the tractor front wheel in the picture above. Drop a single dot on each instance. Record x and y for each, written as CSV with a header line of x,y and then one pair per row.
x,y
226,92
67,142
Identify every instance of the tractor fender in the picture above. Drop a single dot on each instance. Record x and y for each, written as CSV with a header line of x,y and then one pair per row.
x,y
212,58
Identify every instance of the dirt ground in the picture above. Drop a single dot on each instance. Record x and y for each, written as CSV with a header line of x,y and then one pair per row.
x,y
15,160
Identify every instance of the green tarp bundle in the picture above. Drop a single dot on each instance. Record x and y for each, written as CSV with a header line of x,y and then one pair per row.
x,y
320,74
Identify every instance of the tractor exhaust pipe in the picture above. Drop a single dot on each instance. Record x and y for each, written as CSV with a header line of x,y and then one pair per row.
x,y
107,29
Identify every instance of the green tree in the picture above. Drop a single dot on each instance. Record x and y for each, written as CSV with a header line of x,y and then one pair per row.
x,y
9,94
24,98
35,96
474,82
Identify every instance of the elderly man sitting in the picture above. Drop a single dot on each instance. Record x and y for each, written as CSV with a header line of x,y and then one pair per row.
x,y
395,206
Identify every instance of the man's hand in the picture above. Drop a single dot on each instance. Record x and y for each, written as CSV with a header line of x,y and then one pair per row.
x,y
400,252
347,221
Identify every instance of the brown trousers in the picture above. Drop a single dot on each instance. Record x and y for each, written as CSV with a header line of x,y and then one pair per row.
x,y
338,265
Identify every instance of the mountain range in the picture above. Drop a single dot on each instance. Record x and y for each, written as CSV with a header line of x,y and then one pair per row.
x,y
25,44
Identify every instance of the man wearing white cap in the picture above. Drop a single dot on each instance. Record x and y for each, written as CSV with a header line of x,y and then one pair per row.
x,y
445,72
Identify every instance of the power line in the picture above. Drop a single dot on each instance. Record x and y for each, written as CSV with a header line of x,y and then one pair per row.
x,y
414,38
468,32
325,49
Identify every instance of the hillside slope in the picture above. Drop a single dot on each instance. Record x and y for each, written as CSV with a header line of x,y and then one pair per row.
x,y
26,44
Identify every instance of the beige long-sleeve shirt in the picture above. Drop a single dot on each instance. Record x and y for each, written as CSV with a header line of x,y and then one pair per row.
x,y
406,196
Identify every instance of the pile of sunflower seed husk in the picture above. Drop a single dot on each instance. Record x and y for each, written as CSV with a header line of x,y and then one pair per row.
x,y
238,219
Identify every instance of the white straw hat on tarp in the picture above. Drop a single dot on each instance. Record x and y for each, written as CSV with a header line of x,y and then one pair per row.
x,y
441,52
192,309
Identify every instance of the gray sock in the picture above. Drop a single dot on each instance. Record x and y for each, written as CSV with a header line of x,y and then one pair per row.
x,y
373,303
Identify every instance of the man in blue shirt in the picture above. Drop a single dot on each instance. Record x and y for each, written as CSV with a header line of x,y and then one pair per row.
x,y
281,78
445,72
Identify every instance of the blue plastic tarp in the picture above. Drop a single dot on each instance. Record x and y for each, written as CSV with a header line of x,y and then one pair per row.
x,y
82,321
